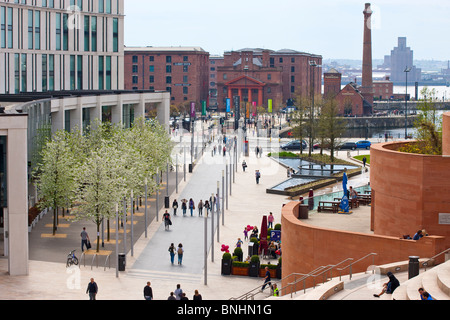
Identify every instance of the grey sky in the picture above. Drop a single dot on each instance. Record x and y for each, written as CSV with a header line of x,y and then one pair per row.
x,y
332,28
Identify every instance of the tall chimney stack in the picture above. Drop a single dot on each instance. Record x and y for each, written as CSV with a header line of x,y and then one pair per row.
x,y
367,80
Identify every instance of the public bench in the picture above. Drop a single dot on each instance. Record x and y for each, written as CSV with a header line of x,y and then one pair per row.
x,y
332,206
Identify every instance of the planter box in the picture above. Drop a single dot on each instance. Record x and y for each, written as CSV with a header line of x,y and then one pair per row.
x,y
239,271
273,273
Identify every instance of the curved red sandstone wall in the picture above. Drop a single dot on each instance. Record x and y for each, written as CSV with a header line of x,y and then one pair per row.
x,y
446,137
306,247
409,192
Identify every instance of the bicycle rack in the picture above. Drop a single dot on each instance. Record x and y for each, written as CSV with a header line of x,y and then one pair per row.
x,y
109,262
94,258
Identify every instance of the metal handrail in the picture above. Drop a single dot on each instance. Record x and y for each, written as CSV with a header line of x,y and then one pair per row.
x,y
351,264
425,264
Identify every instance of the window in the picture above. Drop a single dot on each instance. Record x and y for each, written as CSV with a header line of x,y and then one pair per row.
x,y
152,79
135,79
135,59
185,90
86,33
292,69
185,58
168,79
116,35
3,27
101,66
94,34
269,76
72,72
168,59
152,58
168,69
185,68
37,30
135,69
58,31
30,29
151,68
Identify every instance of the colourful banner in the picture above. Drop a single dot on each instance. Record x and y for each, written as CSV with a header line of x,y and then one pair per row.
x,y
192,109
269,109
203,108
228,105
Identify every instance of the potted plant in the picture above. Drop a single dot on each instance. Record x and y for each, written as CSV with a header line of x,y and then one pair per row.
x,y
254,266
240,268
272,270
226,264
238,253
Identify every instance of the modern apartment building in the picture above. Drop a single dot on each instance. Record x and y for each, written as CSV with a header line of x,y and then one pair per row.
x,y
182,71
57,45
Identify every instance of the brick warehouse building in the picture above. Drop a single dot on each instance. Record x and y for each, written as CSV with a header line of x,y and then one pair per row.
x,y
257,75
182,71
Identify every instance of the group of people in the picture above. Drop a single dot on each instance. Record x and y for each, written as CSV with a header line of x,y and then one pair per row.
x,y
179,251
190,205
393,283
258,151
177,294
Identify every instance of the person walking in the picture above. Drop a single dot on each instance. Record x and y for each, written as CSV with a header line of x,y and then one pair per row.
x,y
207,207
180,252
267,279
175,207
92,289
257,176
244,165
167,221
84,239
172,253
191,206
148,292
200,208
183,206
364,161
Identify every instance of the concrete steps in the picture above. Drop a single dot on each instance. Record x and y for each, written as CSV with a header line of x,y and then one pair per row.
x,y
435,281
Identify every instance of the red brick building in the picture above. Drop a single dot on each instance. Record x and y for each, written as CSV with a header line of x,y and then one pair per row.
x,y
257,75
214,63
383,89
350,99
182,71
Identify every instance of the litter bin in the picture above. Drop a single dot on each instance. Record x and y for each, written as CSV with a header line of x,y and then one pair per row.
x,y
122,261
413,269
166,202
303,212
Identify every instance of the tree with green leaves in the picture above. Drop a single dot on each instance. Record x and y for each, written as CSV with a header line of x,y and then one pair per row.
x,y
428,125
331,126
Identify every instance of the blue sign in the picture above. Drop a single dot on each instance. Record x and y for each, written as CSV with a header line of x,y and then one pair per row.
x,y
228,105
275,235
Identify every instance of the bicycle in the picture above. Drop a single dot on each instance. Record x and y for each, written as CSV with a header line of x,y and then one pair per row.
x,y
71,259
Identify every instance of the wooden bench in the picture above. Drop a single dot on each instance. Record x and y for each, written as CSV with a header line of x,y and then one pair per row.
x,y
350,203
365,199
332,206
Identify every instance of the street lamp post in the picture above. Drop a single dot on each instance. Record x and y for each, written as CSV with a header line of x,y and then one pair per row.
x,y
407,70
313,64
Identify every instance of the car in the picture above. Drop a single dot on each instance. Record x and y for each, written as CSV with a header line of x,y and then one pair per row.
x,y
363,144
348,146
294,145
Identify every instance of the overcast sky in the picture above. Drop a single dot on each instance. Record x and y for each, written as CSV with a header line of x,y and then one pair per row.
x,y
331,28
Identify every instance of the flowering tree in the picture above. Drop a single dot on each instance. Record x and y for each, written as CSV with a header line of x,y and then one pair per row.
x,y
55,174
102,167
100,185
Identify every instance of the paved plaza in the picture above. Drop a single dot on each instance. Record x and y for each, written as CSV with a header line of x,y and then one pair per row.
x,y
49,279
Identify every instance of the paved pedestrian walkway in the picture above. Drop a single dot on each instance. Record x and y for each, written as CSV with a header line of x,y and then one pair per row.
x,y
150,262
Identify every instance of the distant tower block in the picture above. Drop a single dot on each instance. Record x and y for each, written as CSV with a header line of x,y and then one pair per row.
x,y
367,81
